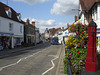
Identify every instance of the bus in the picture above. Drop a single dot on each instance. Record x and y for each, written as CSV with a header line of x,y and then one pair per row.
x,y
54,41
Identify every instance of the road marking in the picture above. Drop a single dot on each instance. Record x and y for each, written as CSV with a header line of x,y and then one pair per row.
x,y
53,65
19,61
1,68
59,51
52,55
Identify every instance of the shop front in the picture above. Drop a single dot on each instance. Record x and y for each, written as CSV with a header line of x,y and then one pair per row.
x,y
6,40
17,41
30,39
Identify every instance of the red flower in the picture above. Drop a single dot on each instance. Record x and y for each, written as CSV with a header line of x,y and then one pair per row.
x,y
76,49
82,32
78,52
67,49
82,46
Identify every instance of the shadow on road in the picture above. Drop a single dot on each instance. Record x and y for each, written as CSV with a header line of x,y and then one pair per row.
x,y
10,53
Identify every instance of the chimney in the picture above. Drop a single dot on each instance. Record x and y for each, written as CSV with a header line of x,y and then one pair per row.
x,y
62,28
28,21
75,18
67,25
33,23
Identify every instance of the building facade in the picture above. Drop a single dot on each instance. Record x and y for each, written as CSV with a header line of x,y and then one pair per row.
x,y
11,27
88,10
29,32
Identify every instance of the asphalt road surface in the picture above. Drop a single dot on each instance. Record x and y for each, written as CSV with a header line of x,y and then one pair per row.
x,y
40,60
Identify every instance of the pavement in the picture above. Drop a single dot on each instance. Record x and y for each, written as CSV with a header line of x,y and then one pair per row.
x,y
60,67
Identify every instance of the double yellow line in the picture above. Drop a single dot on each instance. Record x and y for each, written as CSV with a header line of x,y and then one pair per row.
x,y
59,51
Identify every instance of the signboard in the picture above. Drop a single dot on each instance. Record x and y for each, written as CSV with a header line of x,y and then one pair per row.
x,y
6,34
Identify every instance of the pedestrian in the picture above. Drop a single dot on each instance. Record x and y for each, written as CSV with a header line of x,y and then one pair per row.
x,y
4,44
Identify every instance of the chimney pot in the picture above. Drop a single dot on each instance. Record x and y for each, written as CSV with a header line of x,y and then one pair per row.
x,y
33,23
28,21
62,28
75,18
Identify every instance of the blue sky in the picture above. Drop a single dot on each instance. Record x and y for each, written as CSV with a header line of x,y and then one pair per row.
x,y
46,13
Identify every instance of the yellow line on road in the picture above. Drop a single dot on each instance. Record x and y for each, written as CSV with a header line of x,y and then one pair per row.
x,y
59,51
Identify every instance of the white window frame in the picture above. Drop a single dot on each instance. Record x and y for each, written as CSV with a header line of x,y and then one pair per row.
x,y
9,13
19,17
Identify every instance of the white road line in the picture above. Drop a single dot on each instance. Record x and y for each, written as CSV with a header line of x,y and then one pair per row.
x,y
1,68
53,65
19,61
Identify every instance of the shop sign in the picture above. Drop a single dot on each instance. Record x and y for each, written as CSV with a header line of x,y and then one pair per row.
x,y
6,34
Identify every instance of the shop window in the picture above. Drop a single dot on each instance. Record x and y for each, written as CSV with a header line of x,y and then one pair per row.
x,y
10,27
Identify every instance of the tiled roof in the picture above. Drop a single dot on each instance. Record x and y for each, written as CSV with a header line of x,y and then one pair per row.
x,y
87,4
4,8
56,30
17,14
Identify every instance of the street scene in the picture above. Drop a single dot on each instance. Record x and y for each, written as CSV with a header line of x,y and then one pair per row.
x,y
33,61
49,37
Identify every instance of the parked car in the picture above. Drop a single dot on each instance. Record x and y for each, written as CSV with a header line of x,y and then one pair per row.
x,y
1,47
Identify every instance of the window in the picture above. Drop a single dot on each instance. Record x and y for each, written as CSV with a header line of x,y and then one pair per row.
x,y
19,17
21,29
9,14
10,27
8,11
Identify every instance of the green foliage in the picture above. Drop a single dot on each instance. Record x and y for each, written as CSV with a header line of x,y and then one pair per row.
x,y
76,47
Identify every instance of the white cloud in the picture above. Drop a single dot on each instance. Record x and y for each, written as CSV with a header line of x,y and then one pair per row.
x,y
64,7
43,24
32,1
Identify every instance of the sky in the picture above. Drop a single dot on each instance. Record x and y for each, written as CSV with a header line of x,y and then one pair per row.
x,y
45,13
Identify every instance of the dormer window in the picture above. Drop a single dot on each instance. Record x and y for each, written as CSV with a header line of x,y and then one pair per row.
x,y
8,11
18,16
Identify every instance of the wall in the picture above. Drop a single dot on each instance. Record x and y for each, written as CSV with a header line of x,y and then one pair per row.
x,y
4,27
16,27
37,37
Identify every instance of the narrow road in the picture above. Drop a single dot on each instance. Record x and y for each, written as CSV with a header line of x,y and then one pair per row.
x,y
37,61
